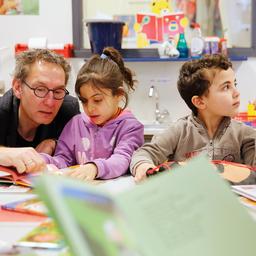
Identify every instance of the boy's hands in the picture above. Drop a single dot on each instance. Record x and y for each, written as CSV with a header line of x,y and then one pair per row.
x,y
85,172
140,171
23,159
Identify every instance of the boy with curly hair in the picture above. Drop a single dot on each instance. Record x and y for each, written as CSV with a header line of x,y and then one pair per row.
x,y
208,86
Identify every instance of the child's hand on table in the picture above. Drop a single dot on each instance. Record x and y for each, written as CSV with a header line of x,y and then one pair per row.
x,y
85,172
140,171
54,170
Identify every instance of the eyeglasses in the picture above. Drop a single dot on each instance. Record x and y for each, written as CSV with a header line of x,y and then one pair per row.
x,y
42,91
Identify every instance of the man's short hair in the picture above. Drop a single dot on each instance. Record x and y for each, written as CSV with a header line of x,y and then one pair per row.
x,y
196,76
25,59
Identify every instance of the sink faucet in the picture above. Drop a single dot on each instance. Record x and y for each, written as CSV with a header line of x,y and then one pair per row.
x,y
159,115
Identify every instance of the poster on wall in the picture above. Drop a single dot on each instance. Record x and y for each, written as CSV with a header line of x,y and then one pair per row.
x,y
19,7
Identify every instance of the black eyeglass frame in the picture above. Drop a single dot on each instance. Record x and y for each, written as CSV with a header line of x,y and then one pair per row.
x,y
48,90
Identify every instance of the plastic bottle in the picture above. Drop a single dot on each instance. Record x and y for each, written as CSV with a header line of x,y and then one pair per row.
x,y
182,46
223,46
214,40
251,112
197,42
207,45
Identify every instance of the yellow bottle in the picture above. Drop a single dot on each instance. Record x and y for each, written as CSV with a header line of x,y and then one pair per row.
x,y
251,112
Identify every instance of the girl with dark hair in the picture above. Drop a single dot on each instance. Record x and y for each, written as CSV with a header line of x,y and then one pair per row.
x,y
103,138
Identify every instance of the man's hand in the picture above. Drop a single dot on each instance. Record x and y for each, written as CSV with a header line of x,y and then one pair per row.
x,y
140,171
46,146
85,172
23,159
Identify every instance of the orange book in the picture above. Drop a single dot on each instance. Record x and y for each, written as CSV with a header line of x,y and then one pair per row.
x,y
10,175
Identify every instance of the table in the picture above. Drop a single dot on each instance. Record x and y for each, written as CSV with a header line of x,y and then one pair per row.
x,y
14,225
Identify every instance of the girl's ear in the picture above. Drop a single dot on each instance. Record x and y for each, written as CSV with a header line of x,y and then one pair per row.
x,y
17,88
198,102
121,92
122,98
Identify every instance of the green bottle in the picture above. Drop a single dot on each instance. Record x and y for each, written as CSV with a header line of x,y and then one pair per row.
x,y
182,46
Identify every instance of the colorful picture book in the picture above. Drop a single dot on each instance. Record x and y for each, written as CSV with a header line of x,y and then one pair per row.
x,y
235,173
155,26
10,175
32,206
45,236
190,212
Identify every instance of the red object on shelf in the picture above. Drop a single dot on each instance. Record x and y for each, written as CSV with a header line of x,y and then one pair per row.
x,y
67,51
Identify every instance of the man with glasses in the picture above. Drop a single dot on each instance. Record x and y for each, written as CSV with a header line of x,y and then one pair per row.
x,y
36,109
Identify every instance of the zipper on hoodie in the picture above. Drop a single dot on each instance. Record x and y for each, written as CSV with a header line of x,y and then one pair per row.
x,y
96,132
211,147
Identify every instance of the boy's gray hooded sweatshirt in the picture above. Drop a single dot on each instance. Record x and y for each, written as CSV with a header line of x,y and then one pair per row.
x,y
233,141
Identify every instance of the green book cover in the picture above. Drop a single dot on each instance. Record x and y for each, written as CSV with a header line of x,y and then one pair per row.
x,y
189,211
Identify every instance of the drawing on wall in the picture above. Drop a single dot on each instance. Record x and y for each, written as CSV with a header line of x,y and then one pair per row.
x,y
19,7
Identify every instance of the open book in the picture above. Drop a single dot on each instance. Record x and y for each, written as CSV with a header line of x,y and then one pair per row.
x,y
10,175
190,212
248,191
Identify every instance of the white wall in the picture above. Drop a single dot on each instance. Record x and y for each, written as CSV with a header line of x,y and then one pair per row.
x,y
54,22
170,99
165,75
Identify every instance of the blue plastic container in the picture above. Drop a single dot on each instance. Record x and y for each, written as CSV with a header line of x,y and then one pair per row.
x,y
105,33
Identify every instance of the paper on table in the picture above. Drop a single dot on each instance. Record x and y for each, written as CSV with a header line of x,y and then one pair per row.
x,y
118,185
248,191
7,188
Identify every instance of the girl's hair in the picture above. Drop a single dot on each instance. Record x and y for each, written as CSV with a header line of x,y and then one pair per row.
x,y
106,71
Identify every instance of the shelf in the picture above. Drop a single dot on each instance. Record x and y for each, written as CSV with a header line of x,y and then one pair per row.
x,y
157,59
147,55
238,58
